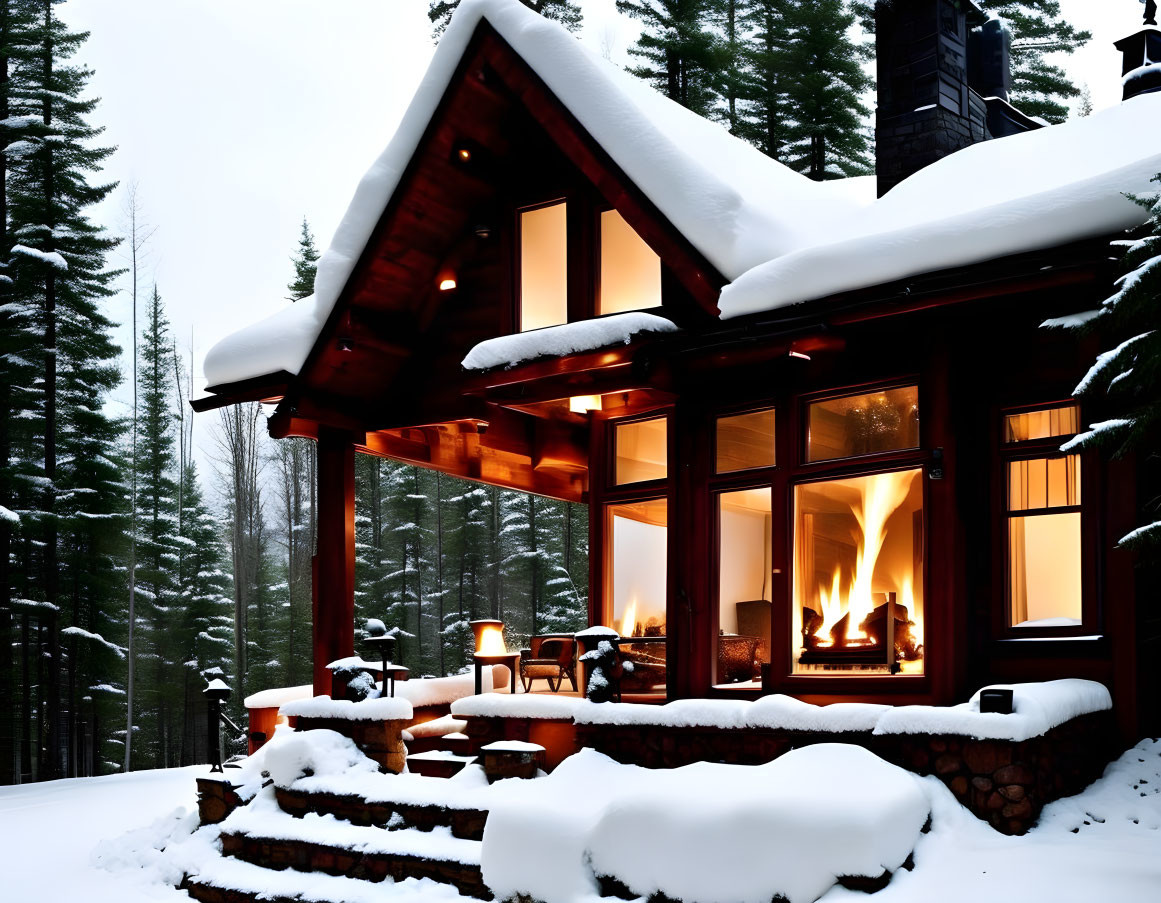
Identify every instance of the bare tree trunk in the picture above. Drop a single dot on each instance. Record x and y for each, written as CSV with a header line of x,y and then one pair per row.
x,y
137,239
239,447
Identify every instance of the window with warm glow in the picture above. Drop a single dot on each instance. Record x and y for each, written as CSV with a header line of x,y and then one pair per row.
x,y
744,591
543,267
864,424
637,561
630,271
641,451
1043,510
1044,542
745,441
1063,420
858,574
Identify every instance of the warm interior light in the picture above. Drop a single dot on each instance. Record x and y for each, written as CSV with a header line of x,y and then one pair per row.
x,y
464,154
447,285
629,619
582,404
492,641
859,549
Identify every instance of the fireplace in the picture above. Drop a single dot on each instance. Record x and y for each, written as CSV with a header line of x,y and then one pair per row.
x,y
858,577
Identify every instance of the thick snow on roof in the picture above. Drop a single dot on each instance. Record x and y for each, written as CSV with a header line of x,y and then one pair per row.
x,y
280,342
735,205
780,237
1043,188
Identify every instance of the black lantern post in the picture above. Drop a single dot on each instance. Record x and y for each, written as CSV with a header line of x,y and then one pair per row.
x,y
216,693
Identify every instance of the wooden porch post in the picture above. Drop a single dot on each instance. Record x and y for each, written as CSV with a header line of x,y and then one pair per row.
x,y
334,575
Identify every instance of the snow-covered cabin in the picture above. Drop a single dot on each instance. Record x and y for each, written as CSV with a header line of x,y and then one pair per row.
x,y
817,424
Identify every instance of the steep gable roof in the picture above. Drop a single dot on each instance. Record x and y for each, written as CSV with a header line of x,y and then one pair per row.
x,y
736,206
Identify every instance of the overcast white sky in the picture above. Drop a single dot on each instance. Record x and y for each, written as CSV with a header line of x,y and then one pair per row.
x,y
236,119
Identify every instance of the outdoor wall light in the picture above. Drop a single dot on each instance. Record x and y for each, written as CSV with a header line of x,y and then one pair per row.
x,y
582,404
447,285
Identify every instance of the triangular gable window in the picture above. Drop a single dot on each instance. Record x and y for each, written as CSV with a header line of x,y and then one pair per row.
x,y
630,270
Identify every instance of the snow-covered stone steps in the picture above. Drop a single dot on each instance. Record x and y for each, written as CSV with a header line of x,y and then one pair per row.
x,y
464,824
382,855
229,880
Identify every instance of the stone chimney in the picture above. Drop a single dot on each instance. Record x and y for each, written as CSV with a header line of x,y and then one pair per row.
x,y
1141,69
926,110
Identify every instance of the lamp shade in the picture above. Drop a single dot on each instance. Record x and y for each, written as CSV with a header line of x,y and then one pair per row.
x,y
489,636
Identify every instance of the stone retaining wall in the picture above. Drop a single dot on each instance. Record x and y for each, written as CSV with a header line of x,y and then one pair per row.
x,y
1003,782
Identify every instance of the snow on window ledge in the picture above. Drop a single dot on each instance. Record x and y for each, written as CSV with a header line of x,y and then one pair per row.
x,y
570,338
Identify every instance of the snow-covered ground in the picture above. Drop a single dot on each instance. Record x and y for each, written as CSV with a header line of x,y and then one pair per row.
x,y
97,839
49,833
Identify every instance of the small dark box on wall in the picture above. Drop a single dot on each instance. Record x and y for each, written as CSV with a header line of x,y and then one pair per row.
x,y
996,701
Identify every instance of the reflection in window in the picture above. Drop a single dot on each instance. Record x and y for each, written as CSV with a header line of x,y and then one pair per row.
x,y
858,574
1044,542
642,451
745,441
744,569
630,271
543,267
863,424
637,560
1042,424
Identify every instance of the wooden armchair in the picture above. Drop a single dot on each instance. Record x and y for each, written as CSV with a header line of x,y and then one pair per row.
x,y
552,658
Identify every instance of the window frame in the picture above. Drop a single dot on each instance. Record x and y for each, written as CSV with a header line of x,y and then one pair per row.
x,y
612,487
1005,453
803,471
743,472
805,400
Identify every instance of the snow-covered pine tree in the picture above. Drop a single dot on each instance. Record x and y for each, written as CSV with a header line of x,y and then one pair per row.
x,y
680,54
1125,382
1038,30
17,22
158,550
766,77
206,610
305,262
57,264
826,135
566,12
733,76
467,549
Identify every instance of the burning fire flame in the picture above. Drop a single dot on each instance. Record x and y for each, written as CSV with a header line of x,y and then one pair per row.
x,y
629,619
492,642
881,496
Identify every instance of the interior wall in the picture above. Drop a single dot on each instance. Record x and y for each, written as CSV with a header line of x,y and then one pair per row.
x,y
744,562
639,569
